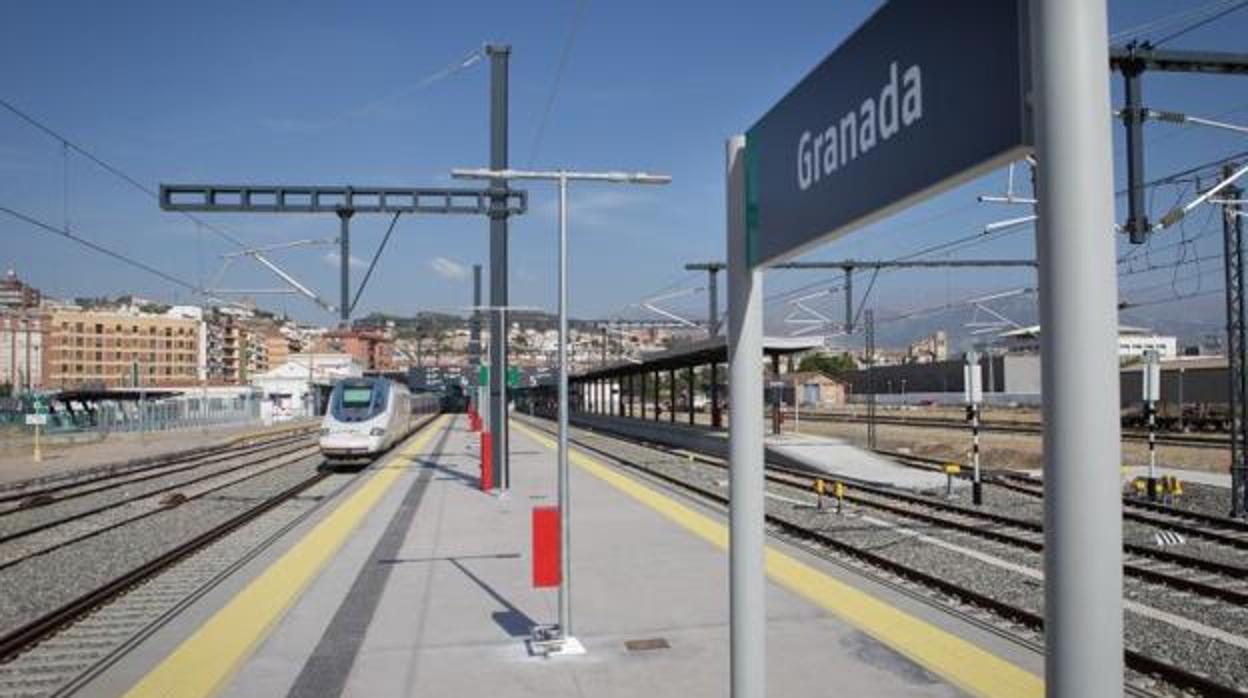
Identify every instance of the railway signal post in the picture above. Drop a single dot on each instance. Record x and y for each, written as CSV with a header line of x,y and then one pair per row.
x,y
972,382
1152,393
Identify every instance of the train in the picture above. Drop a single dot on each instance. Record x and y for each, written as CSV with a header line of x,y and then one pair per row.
x,y
368,416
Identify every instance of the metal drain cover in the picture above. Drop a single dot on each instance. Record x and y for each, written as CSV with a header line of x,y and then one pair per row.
x,y
646,645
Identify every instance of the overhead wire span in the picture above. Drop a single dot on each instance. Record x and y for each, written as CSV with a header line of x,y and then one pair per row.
x,y
111,169
577,15
47,227
1165,22
371,265
1201,22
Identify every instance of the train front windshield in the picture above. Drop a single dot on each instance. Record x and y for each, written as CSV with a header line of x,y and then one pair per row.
x,y
356,402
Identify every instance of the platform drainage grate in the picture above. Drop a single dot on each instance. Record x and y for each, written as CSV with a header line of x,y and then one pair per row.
x,y
646,645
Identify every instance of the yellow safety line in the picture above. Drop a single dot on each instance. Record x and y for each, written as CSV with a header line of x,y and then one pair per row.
x,y
202,664
967,666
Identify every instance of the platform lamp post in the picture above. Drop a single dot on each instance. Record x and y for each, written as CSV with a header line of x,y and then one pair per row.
x,y
563,641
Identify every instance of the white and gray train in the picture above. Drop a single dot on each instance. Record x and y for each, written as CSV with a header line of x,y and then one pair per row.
x,y
367,416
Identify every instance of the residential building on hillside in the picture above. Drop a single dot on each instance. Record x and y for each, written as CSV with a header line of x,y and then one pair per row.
x,y
373,349
15,294
934,347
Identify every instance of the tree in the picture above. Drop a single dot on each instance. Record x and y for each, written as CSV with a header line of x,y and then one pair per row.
x,y
828,364
6,389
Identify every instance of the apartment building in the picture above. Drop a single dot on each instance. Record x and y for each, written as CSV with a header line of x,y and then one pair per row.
x,y
90,349
372,349
21,349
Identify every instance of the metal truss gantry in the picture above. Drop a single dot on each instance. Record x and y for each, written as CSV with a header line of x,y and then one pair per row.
x,y
344,202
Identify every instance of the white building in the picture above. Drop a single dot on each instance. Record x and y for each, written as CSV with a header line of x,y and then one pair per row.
x,y
1132,341
21,350
286,388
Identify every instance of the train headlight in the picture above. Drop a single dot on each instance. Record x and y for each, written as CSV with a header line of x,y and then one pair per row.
x,y
376,431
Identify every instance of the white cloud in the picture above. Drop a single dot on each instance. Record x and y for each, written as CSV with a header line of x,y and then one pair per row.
x,y
448,268
599,208
332,259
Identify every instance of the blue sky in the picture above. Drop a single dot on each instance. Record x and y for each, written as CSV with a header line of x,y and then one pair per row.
x,y
329,93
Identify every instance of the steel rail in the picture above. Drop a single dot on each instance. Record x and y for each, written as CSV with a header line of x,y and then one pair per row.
x,y
1135,659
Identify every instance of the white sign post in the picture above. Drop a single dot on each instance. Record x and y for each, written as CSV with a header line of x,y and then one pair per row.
x,y
973,391
38,420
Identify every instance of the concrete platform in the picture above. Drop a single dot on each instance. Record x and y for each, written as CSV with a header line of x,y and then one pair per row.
x,y
121,448
418,584
846,461
836,457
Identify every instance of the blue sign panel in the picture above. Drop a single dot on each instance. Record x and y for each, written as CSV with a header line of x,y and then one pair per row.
x,y
921,97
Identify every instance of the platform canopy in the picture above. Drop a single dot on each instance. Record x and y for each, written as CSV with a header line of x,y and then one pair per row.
x,y
702,353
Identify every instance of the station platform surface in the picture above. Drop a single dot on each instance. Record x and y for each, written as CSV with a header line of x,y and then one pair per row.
x,y
837,458
419,584
122,447
842,459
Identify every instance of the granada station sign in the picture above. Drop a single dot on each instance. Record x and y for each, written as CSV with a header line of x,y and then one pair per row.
x,y
923,96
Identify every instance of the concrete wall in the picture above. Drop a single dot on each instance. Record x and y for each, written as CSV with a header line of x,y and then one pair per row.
x,y
1022,374
936,377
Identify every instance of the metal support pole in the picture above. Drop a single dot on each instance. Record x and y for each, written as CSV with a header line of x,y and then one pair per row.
x,y
747,579
691,375
565,539
1152,449
1083,620
474,338
1133,116
1179,403
344,264
777,415
849,300
717,415
499,55
643,395
672,390
1236,346
977,487
868,318
712,292
658,397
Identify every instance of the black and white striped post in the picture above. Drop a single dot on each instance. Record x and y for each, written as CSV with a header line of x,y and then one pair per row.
x,y
973,391
1152,393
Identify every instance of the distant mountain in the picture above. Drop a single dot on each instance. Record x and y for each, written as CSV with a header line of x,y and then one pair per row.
x,y
1191,320
425,323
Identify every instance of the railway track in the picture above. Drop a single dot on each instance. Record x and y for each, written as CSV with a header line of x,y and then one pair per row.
x,y
46,490
1014,427
1222,530
60,649
1170,572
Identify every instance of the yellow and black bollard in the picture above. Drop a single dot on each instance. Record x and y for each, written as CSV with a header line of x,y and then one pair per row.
x,y
951,469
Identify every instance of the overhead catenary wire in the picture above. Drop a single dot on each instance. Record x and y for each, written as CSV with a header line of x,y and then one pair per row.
x,y
112,169
1201,22
48,227
373,264
560,67
1165,22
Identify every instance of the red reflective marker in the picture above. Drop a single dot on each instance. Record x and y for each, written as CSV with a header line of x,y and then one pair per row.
x,y
487,457
546,546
